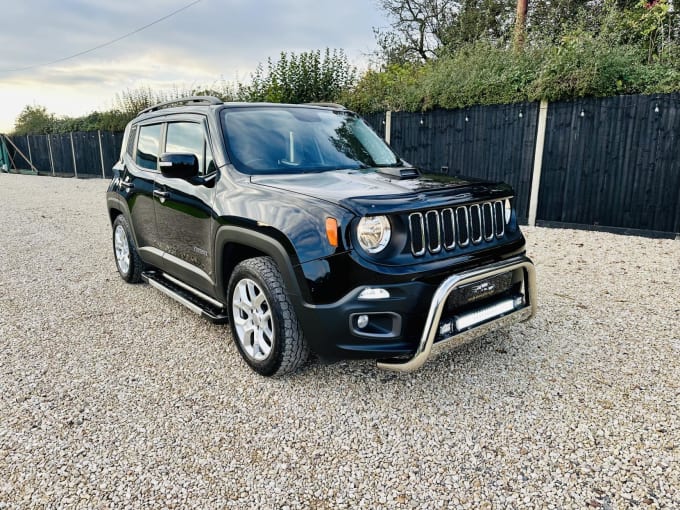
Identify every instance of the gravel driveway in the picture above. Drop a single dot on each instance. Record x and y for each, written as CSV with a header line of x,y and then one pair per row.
x,y
113,395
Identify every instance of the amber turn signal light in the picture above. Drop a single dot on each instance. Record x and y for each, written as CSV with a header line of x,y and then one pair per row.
x,y
332,231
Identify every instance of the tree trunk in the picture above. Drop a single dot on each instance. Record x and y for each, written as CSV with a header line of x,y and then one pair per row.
x,y
520,24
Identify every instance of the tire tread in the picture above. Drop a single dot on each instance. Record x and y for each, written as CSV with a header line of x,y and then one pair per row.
x,y
294,350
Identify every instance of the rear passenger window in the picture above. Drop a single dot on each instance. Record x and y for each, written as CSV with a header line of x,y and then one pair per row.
x,y
189,138
147,146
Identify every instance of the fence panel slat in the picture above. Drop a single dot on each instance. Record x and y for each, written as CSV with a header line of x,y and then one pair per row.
x,y
87,154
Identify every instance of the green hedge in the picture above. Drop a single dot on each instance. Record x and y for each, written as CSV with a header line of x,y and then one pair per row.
x,y
482,74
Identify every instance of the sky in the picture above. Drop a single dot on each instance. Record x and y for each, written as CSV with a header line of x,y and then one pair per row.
x,y
211,41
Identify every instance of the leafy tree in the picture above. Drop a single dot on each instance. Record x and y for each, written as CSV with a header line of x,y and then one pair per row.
x,y
481,21
304,78
650,24
422,30
34,120
419,28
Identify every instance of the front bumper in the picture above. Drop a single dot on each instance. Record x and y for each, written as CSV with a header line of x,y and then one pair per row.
x,y
414,310
428,347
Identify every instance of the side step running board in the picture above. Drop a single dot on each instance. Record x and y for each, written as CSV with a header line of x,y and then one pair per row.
x,y
195,301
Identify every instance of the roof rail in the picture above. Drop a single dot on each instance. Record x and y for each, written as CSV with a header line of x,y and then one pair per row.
x,y
328,105
207,100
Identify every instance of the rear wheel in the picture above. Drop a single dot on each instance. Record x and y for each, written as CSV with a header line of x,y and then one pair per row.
x,y
263,323
125,252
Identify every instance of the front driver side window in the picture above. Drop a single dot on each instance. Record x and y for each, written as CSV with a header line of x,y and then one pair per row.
x,y
188,138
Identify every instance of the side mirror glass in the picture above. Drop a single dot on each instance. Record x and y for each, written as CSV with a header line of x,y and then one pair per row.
x,y
180,166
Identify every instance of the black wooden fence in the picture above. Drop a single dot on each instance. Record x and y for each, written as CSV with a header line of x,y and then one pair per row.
x,y
493,143
71,154
612,162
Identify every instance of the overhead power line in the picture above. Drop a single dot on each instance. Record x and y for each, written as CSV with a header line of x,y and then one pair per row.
x,y
103,45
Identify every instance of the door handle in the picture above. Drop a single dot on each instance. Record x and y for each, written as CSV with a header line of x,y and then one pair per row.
x,y
160,194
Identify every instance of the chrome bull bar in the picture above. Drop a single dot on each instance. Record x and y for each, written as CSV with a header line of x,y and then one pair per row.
x,y
427,346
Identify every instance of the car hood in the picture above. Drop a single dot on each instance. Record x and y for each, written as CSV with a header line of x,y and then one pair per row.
x,y
373,192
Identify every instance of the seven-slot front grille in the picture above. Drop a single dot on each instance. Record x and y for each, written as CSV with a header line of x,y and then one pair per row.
x,y
453,227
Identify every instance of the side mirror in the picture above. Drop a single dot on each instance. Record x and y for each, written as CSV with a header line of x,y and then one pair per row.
x,y
180,166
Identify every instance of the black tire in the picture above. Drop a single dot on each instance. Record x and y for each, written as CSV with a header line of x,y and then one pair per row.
x,y
132,272
263,304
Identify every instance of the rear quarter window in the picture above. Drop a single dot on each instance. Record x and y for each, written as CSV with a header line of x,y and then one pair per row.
x,y
132,138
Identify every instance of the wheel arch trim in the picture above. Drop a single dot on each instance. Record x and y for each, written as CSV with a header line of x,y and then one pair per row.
x,y
263,243
115,203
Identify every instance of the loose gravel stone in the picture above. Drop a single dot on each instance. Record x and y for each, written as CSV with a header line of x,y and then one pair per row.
x,y
113,395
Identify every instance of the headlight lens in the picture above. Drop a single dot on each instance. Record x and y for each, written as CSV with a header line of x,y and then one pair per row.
x,y
373,233
508,210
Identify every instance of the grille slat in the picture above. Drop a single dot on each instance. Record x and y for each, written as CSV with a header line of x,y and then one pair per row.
x,y
434,231
416,226
450,228
475,224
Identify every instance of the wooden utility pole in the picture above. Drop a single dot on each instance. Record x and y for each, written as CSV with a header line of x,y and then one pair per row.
x,y
521,24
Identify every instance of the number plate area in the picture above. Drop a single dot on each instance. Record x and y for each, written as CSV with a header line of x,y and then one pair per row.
x,y
482,301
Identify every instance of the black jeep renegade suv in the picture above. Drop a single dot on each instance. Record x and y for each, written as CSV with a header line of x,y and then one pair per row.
x,y
299,226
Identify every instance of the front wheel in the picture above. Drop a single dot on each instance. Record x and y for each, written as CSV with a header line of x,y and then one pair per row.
x,y
128,262
263,323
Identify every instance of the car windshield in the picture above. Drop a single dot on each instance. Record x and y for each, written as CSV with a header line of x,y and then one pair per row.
x,y
268,140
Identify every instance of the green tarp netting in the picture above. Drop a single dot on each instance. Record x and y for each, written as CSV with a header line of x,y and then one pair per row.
x,y
5,163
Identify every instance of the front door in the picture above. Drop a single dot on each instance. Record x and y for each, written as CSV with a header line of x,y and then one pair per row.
x,y
184,207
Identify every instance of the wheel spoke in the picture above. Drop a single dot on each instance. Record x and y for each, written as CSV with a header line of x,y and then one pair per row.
x,y
252,292
263,345
267,325
243,293
240,320
259,299
242,307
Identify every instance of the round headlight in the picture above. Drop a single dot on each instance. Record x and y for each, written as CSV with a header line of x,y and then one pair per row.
x,y
508,210
373,233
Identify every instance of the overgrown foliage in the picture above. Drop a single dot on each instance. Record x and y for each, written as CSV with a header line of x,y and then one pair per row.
x,y
575,49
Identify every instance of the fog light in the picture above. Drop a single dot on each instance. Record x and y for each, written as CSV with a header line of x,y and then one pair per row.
x,y
362,321
372,293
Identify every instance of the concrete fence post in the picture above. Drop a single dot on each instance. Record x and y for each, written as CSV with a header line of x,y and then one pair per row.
x,y
49,146
388,126
30,156
101,153
73,153
538,162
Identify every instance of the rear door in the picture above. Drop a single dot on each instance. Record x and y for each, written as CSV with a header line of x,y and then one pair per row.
x,y
184,207
138,177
